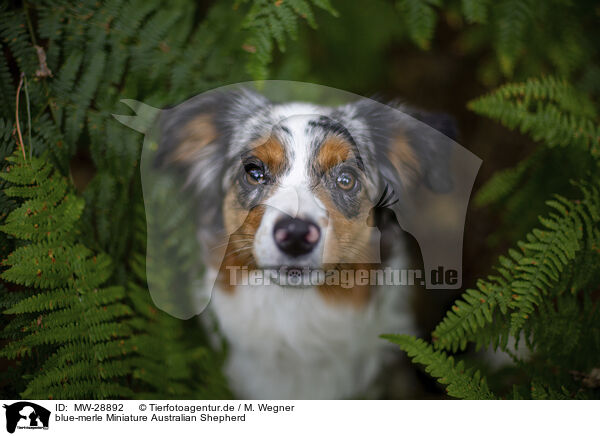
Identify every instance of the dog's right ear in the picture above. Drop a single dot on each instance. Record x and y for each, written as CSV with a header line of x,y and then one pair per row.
x,y
195,134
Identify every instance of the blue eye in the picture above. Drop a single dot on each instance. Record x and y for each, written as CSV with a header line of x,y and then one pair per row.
x,y
346,181
255,175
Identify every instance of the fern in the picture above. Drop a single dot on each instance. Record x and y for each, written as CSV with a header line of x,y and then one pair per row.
x,y
171,360
527,36
420,19
270,21
549,110
554,265
526,275
516,16
503,182
533,293
475,11
69,307
97,52
460,382
95,337
65,254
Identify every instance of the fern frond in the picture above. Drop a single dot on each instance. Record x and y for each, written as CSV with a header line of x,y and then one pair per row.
x,y
503,183
548,109
527,275
460,382
164,364
420,19
68,311
516,16
475,11
268,21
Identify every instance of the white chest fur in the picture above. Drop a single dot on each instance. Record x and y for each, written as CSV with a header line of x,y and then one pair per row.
x,y
287,343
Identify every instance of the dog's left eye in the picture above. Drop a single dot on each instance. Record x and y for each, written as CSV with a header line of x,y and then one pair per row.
x,y
346,181
255,175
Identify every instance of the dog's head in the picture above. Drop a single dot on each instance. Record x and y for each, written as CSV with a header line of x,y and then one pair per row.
x,y
297,184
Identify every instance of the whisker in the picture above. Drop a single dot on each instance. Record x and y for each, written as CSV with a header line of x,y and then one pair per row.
x,y
239,250
230,242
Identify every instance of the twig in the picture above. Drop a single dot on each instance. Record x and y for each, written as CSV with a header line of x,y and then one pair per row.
x,y
28,119
17,117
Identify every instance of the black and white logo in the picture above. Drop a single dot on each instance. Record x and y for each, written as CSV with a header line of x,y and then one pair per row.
x,y
26,415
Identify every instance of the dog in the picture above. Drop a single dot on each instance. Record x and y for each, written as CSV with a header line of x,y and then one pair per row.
x,y
306,188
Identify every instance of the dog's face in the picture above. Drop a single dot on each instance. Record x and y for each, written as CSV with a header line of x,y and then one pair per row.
x,y
295,184
301,188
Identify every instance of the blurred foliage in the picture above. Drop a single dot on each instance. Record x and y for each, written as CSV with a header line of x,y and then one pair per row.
x,y
545,291
533,66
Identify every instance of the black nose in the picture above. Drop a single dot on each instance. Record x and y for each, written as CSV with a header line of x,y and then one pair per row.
x,y
295,236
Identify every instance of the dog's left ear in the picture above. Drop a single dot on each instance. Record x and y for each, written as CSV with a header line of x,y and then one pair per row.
x,y
419,147
431,136
412,148
419,160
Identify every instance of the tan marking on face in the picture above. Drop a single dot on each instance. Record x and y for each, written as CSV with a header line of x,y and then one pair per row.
x,y
241,226
270,152
348,241
234,214
197,134
333,151
404,159
357,296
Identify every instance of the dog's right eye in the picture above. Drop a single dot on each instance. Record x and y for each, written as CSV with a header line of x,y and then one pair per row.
x,y
255,175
